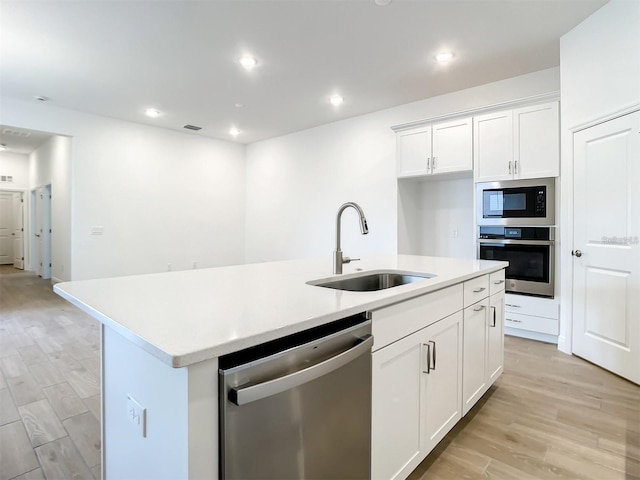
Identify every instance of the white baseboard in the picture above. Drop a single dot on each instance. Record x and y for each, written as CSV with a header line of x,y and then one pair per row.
x,y
540,337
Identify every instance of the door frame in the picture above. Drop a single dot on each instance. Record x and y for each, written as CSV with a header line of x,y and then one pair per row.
x,y
564,248
25,221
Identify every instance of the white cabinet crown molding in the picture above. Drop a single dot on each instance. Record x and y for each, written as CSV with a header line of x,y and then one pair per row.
x,y
531,100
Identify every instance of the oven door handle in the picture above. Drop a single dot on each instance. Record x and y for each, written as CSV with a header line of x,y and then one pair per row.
x,y
513,241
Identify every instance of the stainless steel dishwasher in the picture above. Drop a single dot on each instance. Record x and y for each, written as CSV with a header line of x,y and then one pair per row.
x,y
299,407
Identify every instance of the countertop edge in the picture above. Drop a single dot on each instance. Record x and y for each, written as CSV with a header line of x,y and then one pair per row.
x,y
186,359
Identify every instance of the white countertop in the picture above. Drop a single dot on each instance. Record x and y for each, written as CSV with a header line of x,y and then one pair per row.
x,y
186,317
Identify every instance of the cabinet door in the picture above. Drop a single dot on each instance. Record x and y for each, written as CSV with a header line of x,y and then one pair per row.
x,y
395,408
443,381
474,365
495,337
414,152
493,146
452,146
536,141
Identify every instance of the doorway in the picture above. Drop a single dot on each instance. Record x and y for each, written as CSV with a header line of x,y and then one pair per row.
x,y
606,266
12,228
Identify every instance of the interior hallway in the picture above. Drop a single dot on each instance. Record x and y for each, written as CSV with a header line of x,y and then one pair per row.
x,y
550,415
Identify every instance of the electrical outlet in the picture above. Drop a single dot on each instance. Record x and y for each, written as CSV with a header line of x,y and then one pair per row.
x,y
455,233
168,267
97,230
195,265
137,415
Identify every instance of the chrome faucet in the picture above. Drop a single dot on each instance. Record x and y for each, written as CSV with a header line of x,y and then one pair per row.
x,y
338,259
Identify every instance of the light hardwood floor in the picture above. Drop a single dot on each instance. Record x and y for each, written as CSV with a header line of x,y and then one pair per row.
x,y
550,415
49,383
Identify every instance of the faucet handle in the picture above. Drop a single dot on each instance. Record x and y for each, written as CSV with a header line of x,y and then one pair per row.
x,y
349,260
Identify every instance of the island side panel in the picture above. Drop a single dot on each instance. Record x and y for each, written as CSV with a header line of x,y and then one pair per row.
x,y
163,391
203,420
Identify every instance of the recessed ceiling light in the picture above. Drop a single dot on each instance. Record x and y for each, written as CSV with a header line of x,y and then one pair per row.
x,y
444,57
152,112
2,147
238,105
248,62
234,131
336,100
382,3
41,98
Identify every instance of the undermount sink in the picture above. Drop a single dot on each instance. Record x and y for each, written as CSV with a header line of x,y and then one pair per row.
x,y
372,281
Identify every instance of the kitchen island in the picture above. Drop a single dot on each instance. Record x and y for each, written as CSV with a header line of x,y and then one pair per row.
x,y
163,333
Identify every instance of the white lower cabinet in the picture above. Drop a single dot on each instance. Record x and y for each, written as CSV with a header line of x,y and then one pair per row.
x,y
495,337
474,379
432,360
483,348
416,396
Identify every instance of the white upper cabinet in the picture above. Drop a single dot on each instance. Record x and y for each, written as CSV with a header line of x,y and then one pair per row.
x,y
434,149
493,146
414,152
536,141
517,144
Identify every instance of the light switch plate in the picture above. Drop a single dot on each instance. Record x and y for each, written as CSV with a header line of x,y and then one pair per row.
x,y
137,415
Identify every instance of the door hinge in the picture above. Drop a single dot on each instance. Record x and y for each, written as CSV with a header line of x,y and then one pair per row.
x,y
23,259
49,230
49,265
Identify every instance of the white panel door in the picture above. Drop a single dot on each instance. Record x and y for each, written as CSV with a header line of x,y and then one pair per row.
x,y
18,230
6,228
43,231
606,282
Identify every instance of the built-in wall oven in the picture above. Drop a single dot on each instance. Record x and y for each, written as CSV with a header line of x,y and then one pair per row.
x,y
530,253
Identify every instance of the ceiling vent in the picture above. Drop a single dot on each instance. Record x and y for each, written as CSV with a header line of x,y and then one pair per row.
x,y
192,127
16,133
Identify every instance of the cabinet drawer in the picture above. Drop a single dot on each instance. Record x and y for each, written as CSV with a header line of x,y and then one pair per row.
x,y
496,282
475,290
531,323
397,321
534,306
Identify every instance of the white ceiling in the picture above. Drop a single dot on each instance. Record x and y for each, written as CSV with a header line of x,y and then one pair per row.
x,y
115,58
20,140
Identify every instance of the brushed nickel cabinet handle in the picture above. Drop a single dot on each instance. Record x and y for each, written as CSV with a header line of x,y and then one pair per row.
x,y
478,290
428,358
479,307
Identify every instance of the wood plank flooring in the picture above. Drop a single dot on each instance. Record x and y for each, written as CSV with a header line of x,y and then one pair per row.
x,y
550,415
49,383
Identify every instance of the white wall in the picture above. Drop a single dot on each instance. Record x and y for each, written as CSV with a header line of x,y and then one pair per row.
x,y
162,197
16,165
50,164
296,183
600,71
600,63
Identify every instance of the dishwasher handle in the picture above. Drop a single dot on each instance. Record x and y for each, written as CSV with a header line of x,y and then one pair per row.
x,y
242,396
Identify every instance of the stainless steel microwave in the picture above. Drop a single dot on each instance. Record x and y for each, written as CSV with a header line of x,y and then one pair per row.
x,y
516,202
